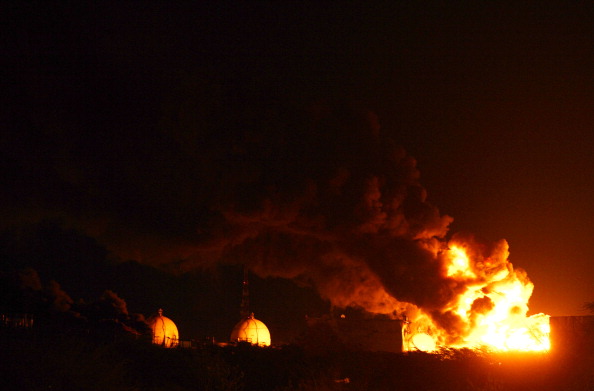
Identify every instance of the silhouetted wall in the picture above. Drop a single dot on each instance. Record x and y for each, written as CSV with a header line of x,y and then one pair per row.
x,y
374,335
572,333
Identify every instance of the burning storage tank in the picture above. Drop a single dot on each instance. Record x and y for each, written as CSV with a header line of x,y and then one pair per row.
x,y
416,338
251,330
164,330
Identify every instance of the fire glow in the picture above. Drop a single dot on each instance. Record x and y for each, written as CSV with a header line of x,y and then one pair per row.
x,y
491,309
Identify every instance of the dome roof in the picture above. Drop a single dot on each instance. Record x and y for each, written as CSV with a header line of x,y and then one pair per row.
x,y
251,330
164,330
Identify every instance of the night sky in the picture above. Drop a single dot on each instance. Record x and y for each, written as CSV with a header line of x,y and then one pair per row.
x,y
190,137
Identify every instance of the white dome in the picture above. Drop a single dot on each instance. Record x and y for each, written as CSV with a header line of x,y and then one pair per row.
x,y
251,330
164,330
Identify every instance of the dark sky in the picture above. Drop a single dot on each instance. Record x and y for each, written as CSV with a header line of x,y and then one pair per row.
x,y
183,135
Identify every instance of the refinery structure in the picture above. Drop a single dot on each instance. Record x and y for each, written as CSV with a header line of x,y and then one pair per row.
x,y
568,333
248,330
351,328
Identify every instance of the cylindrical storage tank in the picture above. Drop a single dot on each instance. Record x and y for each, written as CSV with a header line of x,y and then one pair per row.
x,y
164,330
251,330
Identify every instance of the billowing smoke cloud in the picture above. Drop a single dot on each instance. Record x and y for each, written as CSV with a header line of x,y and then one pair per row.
x,y
348,216
320,196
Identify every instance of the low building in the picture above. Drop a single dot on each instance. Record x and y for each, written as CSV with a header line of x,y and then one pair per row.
x,y
375,334
572,334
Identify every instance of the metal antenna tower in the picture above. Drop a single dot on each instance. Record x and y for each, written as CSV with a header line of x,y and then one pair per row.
x,y
245,295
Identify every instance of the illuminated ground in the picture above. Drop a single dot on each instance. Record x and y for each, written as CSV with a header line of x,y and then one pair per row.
x,y
34,362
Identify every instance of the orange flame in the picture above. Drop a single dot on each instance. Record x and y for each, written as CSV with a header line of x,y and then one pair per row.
x,y
491,310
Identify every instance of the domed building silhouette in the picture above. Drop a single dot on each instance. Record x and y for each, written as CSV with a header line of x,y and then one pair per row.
x,y
164,330
251,330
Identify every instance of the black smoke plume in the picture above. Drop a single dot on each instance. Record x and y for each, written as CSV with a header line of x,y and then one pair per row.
x,y
318,195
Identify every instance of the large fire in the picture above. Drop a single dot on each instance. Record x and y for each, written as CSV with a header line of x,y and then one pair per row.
x,y
489,312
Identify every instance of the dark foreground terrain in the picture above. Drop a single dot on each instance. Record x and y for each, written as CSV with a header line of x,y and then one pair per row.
x,y
33,361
